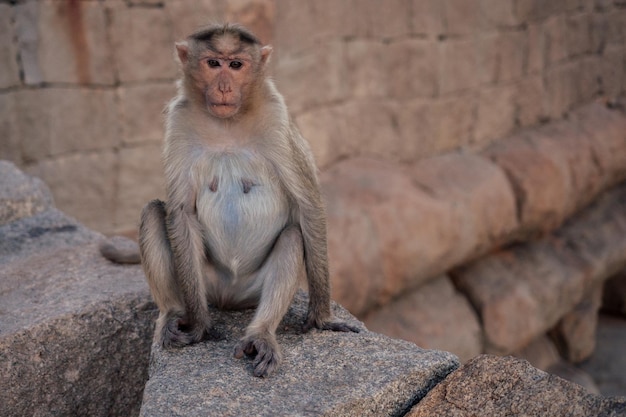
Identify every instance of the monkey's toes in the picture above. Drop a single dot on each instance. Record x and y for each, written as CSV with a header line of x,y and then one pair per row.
x,y
266,360
340,326
265,352
332,325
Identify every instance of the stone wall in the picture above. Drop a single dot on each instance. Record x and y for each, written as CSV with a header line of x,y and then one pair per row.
x,y
83,82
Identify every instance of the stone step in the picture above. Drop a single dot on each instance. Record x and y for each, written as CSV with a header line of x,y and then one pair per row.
x,y
322,373
75,329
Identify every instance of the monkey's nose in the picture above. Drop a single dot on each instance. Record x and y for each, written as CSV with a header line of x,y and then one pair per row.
x,y
224,87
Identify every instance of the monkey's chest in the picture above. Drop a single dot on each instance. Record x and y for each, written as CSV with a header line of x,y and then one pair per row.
x,y
243,208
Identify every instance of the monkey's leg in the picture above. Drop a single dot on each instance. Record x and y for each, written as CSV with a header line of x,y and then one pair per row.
x,y
158,265
279,274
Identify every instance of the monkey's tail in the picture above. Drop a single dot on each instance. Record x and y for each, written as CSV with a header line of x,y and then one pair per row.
x,y
120,250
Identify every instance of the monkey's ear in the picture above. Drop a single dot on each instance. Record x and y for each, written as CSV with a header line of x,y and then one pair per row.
x,y
266,52
182,49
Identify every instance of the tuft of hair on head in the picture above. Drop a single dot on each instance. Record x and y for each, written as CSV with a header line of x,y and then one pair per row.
x,y
207,33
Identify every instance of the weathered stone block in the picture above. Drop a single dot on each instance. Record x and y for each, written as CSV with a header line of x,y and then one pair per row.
x,y
498,13
58,121
480,194
75,329
21,195
462,17
528,100
522,292
64,42
10,145
141,111
304,86
541,184
531,10
541,353
494,386
560,90
322,373
512,47
10,74
418,60
368,65
555,39
415,125
375,207
575,333
90,195
496,114
578,34
613,71
606,131
455,118
409,227
350,129
427,18
536,60
328,135
188,15
374,21
256,15
458,60
434,316
143,43
140,179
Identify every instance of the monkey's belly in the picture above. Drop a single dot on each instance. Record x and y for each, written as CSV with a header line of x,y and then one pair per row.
x,y
242,219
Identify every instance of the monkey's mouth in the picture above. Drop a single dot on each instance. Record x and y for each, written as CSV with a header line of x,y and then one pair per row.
x,y
223,109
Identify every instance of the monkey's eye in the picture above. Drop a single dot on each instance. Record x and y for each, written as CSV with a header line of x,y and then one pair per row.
x,y
213,63
236,64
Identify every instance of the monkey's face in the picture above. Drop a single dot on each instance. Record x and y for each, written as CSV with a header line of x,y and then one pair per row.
x,y
227,81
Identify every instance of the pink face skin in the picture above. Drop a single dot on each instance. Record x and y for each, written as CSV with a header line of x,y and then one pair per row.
x,y
228,81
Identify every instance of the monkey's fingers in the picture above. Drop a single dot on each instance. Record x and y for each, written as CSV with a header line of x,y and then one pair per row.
x,y
244,347
267,358
265,351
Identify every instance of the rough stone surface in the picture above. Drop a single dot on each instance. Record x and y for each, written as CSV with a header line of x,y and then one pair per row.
x,y
322,373
494,386
409,226
21,195
75,330
523,291
576,331
608,362
10,76
434,316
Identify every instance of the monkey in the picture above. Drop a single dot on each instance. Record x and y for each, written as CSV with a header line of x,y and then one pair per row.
x,y
243,217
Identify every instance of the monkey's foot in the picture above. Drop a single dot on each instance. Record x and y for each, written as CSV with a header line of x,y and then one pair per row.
x,y
176,333
265,350
332,325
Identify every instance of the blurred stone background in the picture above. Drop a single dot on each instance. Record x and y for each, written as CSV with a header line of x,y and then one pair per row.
x,y
471,150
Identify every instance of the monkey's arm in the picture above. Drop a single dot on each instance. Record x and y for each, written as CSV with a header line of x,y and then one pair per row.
x,y
186,239
302,183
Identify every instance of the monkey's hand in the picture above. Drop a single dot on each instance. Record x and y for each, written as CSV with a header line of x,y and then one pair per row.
x,y
328,324
264,349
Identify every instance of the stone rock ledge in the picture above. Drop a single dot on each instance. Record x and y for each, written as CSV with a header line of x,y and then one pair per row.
x,y
408,225
322,374
75,330
492,386
525,290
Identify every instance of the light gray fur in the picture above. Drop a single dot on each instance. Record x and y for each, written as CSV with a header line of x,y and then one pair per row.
x,y
243,221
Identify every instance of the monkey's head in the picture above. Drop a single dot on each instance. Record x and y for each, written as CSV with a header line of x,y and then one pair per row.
x,y
223,67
